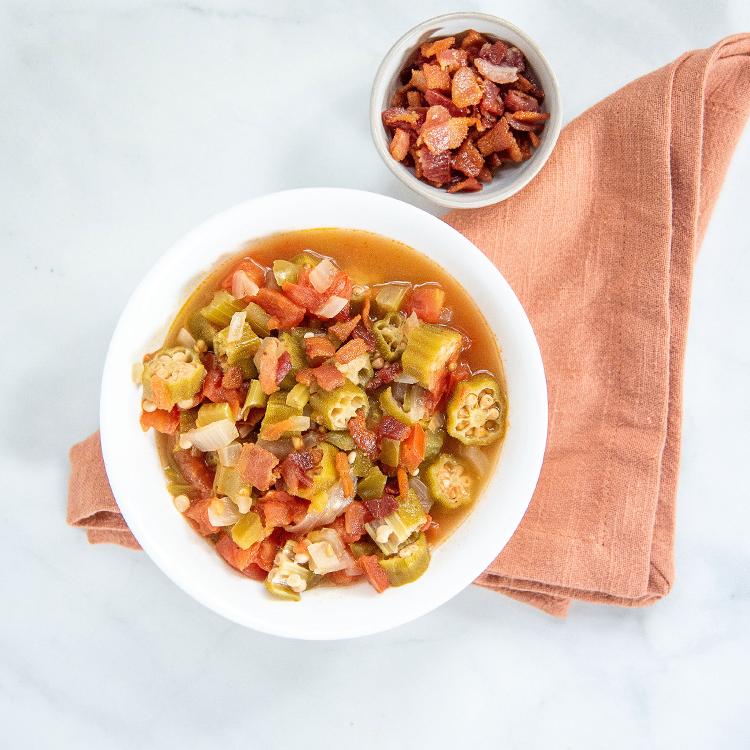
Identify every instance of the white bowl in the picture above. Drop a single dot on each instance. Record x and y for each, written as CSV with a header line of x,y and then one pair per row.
x,y
511,178
134,469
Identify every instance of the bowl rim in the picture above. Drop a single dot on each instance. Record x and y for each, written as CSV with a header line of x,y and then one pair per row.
x,y
438,195
119,470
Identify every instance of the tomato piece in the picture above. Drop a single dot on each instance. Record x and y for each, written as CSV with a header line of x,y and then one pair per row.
x,y
375,574
198,513
236,556
286,312
162,421
413,448
426,301
256,272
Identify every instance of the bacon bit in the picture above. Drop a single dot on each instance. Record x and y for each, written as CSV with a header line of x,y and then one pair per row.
x,y
278,508
195,471
343,330
365,439
403,482
413,448
400,143
305,376
430,49
452,59
468,159
342,467
524,127
395,117
198,513
388,427
436,99
496,73
436,168
529,87
351,350
485,175
161,420
267,360
236,556
498,139
318,348
280,307
414,99
534,140
382,506
355,517
495,53
283,367
465,88
328,377
515,57
491,103
446,135
232,378
366,322
514,151
294,468
255,465
436,77
469,185
375,574
418,80
516,100
472,39
383,376
253,417
533,117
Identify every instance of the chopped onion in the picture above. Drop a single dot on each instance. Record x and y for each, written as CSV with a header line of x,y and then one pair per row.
x,y
417,402
344,560
185,338
332,307
335,506
496,73
222,512
243,285
420,488
229,455
410,324
235,326
402,377
244,503
322,276
279,448
213,436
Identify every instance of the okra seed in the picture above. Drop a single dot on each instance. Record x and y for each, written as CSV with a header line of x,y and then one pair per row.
x,y
200,346
186,403
452,367
486,401
471,399
182,503
462,425
185,442
149,406
308,335
352,457
493,413
378,363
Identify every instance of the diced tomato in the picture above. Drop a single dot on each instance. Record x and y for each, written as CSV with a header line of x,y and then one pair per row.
x,y
286,312
413,448
198,513
251,268
375,574
345,475
447,381
383,376
255,572
355,517
341,578
264,553
194,471
426,301
255,465
162,421
279,508
236,556
213,388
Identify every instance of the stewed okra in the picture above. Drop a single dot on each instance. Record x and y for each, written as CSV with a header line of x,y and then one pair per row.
x,y
321,424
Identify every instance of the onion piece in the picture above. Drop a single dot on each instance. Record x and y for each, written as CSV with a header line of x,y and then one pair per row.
x,y
223,512
243,285
185,338
402,377
332,307
335,506
496,73
410,324
345,560
420,488
279,448
322,276
235,326
213,436
229,455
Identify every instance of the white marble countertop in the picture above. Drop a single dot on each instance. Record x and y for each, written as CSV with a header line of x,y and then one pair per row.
x,y
124,124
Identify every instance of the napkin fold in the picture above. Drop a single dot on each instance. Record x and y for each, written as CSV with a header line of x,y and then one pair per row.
x,y
600,250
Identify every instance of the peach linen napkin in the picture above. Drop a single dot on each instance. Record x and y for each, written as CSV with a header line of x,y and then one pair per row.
x,y
600,249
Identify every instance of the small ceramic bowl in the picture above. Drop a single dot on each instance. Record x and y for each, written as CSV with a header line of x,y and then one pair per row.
x,y
133,465
511,178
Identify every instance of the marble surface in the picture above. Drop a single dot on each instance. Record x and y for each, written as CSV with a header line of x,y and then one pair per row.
x,y
124,124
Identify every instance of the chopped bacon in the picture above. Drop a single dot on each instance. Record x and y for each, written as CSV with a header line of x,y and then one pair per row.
x,y
382,506
465,88
435,98
194,471
399,146
343,330
278,508
294,468
236,556
514,57
414,99
388,427
267,360
213,388
286,313
355,517
469,185
283,367
445,135
516,100
491,103
232,377
384,376
374,573
365,439
395,117
436,77
495,53
318,348
198,513
264,553
468,159
426,301
436,168
531,117
351,350
161,420
327,376
255,465
452,59
498,139
430,49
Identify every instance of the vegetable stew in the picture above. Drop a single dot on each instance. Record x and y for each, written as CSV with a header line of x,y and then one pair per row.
x,y
320,421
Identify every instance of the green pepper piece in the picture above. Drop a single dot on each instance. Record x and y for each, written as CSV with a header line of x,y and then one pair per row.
x,y
188,419
324,476
393,409
371,486
247,531
434,440
306,260
364,547
285,270
389,298
334,409
255,398
179,374
257,318
201,329
228,483
281,592
239,352
298,397
213,413
362,465
428,351
390,451
449,481
409,564
476,412
220,309
374,415
277,410
389,336
342,440
293,345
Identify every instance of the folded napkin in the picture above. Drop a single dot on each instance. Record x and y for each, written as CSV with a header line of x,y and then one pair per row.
x,y
600,250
